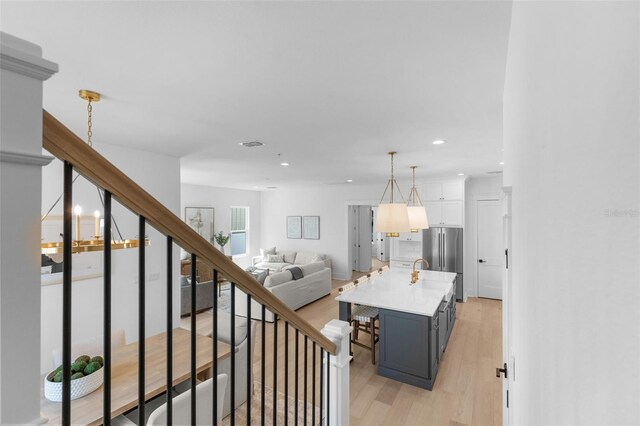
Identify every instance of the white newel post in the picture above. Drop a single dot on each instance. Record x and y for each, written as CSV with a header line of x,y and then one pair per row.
x,y
338,332
22,72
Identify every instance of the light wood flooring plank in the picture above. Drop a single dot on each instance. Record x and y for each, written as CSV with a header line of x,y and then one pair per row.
x,y
466,391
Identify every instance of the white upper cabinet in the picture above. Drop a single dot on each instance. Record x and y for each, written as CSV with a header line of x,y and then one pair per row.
x,y
452,213
453,190
431,191
443,190
444,201
434,213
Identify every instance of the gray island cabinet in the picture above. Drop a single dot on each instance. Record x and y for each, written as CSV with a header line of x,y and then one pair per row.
x,y
416,321
410,353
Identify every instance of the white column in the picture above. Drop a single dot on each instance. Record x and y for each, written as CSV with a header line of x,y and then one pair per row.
x,y
22,72
338,332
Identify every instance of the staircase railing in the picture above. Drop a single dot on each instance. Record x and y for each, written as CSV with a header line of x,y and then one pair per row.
x,y
80,157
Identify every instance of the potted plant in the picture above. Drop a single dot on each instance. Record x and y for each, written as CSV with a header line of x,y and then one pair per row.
x,y
222,240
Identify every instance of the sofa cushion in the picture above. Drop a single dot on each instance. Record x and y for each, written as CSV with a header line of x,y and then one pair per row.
x,y
303,258
277,279
276,258
272,266
312,268
289,255
265,252
224,328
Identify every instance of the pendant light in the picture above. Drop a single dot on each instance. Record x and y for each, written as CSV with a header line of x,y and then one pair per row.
x,y
417,212
95,242
392,217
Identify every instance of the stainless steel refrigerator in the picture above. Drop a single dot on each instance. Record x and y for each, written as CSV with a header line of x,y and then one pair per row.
x,y
442,247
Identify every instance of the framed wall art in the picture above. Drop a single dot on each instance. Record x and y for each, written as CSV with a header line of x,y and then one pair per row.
x,y
311,227
294,227
200,219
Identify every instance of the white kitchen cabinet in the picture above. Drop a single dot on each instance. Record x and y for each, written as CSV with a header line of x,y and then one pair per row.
x,y
445,213
431,191
453,190
443,190
410,236
434,212
401,264
452,213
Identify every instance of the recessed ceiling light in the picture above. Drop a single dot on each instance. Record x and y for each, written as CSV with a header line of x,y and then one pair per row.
x,y
285,164
501,163
251,144
460,174
349,180
438,142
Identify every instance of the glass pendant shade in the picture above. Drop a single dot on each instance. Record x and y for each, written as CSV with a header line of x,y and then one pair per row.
x,y
417,218
392,218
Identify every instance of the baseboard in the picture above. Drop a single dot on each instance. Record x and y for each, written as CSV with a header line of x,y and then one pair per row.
x,y
340,277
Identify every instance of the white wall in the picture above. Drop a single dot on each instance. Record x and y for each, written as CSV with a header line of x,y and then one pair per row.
x,y
571,132
476,188
330,203
160,176
222,199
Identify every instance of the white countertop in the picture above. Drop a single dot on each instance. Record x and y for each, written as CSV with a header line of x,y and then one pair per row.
x,y
393,290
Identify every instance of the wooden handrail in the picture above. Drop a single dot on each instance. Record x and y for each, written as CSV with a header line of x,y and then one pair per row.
x,y
65,145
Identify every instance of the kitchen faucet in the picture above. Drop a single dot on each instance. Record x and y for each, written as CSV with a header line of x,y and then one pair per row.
x,y
415,273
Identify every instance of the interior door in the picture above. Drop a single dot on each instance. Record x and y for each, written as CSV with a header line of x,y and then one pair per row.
x,y
365,231
490,249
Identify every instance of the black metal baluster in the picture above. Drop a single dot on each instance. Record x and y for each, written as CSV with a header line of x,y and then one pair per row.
x,y
286,373
249,361
321,384
66,294
193,338
169,330
313,385
214,335
233,356
262,363
295,407
328,386
141,319
275,369
306,345
106,396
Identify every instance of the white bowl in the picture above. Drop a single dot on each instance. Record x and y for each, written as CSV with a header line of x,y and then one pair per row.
x,y
79,387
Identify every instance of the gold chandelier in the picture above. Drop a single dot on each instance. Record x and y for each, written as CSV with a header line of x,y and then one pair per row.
x,y
96,242
392,217
415,208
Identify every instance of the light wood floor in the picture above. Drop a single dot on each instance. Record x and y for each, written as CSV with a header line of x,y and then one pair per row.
x,y
466,391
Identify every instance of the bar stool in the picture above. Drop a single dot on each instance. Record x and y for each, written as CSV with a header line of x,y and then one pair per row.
x,y
364,319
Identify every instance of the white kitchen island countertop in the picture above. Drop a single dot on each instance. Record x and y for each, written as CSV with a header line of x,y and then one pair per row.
x,y
393,290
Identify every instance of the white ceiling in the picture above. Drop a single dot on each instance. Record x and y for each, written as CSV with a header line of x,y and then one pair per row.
x,y
332,86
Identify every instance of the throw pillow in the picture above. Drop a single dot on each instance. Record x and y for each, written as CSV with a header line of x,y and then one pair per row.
x,y
275,258
266,252
261,276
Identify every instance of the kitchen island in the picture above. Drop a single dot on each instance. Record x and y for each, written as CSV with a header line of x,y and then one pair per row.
x,y
416,321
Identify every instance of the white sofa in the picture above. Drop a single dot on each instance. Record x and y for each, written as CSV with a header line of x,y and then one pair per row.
x,y
315,283
289,258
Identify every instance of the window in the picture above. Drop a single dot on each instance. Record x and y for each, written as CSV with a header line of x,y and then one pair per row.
x,y
239,230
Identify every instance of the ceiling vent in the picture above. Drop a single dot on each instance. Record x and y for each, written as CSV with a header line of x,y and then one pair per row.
x,y
252,144
272,187
497,172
